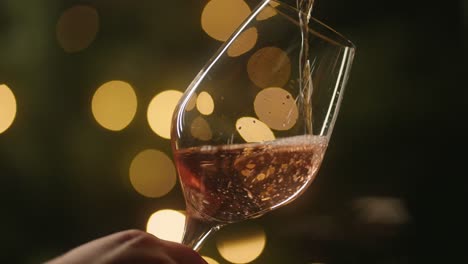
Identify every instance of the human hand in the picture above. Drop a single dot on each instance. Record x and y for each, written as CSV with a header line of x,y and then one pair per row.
x,y
131,246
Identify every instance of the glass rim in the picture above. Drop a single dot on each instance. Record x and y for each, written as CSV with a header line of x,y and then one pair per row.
x,y
339,38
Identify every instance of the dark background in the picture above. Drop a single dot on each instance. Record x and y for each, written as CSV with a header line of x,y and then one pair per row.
x,y
64,179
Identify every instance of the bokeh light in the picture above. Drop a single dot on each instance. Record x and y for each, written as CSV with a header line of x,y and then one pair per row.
x,y
205,103
253,130
77,28
277,108
269,67
167,224
220,18
114,105
243,43
210,260
160,112
201,129
242,246
152,173
381,210
7,108
268,12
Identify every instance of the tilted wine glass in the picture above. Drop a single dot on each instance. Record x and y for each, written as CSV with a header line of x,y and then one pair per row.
x,y
261,145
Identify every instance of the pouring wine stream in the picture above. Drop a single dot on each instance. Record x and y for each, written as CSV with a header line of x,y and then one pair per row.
x,y
305,80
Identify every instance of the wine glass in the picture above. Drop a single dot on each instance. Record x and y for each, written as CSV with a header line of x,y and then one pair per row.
x,y
258,142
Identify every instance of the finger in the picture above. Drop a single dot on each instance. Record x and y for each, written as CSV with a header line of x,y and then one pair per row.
x,y
156,248
183,254
94,249
130,255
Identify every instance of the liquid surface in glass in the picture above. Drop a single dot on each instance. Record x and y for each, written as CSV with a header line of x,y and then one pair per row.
x,y
230,183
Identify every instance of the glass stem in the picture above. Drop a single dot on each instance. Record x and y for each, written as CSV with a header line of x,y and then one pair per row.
x,y
197,230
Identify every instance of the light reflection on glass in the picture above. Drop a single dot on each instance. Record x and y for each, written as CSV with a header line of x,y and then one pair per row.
x,y
268,12
192,103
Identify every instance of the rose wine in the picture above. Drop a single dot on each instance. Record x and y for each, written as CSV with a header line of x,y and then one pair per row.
x,y
230,183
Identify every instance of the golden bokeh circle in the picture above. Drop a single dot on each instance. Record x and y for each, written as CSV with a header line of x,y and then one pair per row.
x,y
205,103
167,225
268,11
114,105
243,43
200,129
243,246
210,260
77,28
161,110
277,108
8,108
269,67
152,173
220,18
253,130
